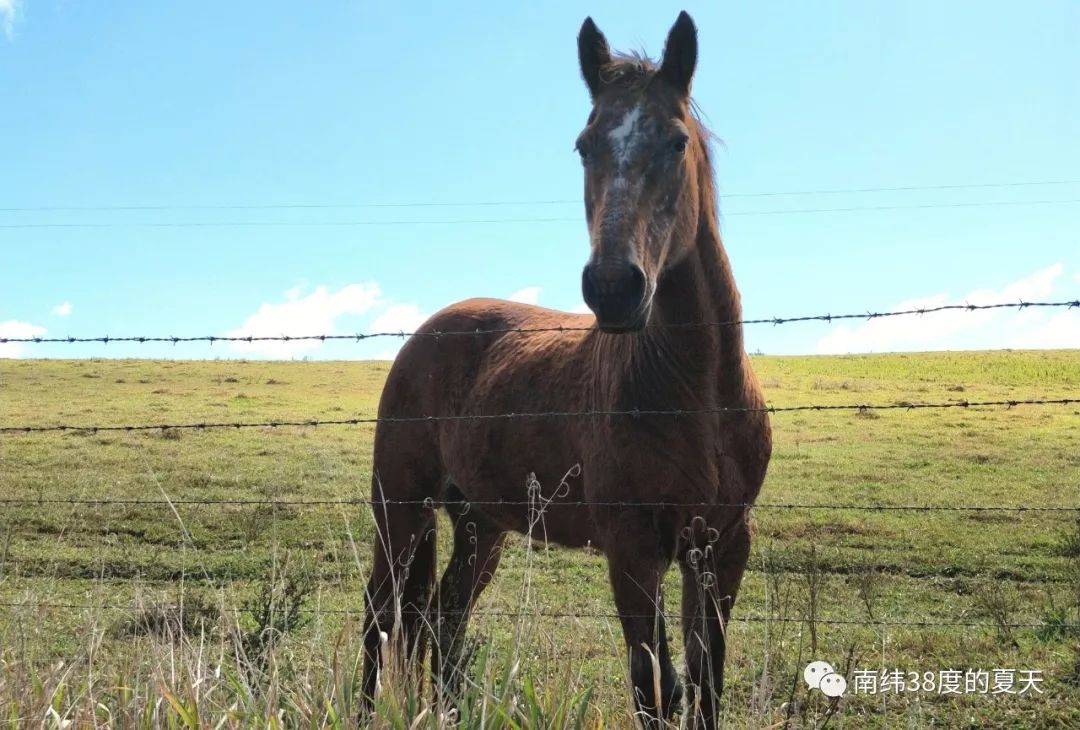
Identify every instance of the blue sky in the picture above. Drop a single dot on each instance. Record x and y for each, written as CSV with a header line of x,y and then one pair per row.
x,y
181,105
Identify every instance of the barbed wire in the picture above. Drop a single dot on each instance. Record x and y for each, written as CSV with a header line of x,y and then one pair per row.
x,y
500,203
433,503
436,334
35,566
609,615
599,413
498,221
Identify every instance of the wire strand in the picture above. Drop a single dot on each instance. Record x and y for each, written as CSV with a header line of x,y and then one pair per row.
x,y
632,413
44,567
496,221
436,334
508,203
107,501
749,618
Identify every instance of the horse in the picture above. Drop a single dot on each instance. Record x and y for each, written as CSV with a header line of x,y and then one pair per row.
x,y
646,412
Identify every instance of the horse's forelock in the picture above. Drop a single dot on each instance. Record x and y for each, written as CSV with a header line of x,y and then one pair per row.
x,y
631,71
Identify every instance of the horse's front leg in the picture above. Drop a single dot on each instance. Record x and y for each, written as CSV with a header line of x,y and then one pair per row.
x,y
638,555
402,574
712,566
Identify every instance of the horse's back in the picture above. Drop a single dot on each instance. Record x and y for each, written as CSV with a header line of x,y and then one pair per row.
x,y
471,360
496,315
468,339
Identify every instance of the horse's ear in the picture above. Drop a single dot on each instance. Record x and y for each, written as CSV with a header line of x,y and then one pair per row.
x,y
593,53
680,53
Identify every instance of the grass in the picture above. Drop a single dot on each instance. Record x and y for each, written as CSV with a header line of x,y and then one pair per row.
x,y
181,616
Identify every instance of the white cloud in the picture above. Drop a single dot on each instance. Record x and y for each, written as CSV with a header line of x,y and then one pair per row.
x,y
396,318
9,12
1030,328
1061,330
314,314
581,309
385,354
62,310
14,328
399,318
528,295
1076,277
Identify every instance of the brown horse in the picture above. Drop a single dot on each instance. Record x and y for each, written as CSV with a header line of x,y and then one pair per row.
x,y
649,488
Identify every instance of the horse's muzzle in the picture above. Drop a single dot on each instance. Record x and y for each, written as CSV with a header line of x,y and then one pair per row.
x,y
618,294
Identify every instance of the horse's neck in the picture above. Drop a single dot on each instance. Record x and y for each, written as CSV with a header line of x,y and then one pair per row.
x,y
701,362
700,289
673,366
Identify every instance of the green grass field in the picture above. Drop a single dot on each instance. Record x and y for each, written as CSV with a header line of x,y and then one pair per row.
x,y
114,645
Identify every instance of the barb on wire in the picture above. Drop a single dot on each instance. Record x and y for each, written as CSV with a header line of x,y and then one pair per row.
x,y
634,412
609,615
436,334
434,504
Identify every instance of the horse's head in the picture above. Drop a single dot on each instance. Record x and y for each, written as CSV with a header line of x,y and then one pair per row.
x,y
641,150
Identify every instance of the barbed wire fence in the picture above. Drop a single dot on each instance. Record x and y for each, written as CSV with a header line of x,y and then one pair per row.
x,y
437,334
633,413
107,501
29,430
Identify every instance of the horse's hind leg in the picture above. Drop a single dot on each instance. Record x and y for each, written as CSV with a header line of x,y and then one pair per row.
x,y
477,550
712,567
402,576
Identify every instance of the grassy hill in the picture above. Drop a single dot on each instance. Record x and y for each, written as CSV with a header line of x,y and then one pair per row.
x,y
145,599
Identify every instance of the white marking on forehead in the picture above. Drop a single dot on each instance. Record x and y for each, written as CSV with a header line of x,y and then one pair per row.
x,y
624,137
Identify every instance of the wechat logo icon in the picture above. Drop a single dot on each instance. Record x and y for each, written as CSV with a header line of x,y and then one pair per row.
x,y
822,676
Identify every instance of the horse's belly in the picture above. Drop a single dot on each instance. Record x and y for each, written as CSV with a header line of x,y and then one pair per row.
x,y
525,480
570,526
564,521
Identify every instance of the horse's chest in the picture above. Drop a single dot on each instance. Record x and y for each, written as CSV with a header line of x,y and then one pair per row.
x,y
655,460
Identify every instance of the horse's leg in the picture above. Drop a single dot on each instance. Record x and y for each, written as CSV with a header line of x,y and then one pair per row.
x,y
711,575
637,560
402,574
477,550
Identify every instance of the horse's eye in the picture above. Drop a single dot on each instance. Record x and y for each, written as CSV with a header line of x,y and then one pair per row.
x,y
678,145
583,151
